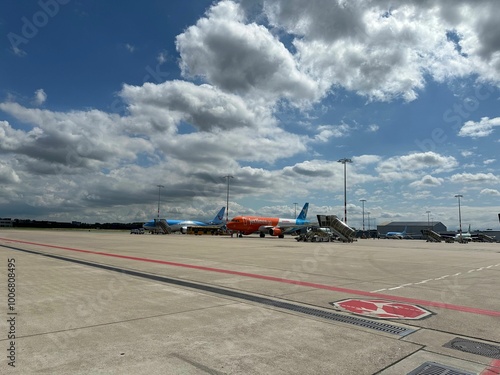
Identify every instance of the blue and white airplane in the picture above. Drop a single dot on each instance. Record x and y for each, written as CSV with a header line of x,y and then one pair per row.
x,y
182,225
396,235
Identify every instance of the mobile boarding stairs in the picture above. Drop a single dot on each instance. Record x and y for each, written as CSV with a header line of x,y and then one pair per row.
x,y
330,228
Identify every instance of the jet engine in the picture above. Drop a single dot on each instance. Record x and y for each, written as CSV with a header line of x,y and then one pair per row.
x,y
276,232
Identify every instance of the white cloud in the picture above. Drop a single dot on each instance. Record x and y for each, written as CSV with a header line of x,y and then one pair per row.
x,y
405,166
162,57
426,182
479,129
384,51
366,159
489,161
492,192
8,175
40,97
68,142
477,178
226,127
129,47
243,58
325,132
205,107
361,42
311,168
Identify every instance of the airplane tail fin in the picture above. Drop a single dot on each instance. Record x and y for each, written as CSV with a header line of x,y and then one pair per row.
x,y
219,218
404,232
303,213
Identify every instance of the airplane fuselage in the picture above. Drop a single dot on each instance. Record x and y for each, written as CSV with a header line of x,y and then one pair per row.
x,y
182,225
175,225
395,235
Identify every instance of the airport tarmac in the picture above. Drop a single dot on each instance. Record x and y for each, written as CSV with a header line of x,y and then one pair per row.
x,y
103,302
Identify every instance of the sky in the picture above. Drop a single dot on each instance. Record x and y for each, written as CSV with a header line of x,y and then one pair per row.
x,y
102,101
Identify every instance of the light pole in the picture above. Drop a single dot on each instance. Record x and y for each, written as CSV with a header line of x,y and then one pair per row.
x,y
227,196
459,216
369,230
159,195
428,219
345,161
363,204
295,209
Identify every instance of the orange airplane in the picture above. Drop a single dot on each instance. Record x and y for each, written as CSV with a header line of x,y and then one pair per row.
x,y
274,226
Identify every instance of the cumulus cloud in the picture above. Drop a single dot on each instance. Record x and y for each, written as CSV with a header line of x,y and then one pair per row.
x,y
222,126
385,52
361,43
40,97
426,182
241,57
68,142
162,57
311,168
204,107
405,166
325,132
477,178
7,174
492,192
366,159
483,128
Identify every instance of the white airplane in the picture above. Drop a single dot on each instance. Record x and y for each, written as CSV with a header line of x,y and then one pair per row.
x,y
461,237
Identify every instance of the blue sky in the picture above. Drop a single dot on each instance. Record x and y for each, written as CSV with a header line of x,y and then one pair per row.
x,y
102,101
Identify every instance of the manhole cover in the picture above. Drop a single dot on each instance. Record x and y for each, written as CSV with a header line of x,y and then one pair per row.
x,y
433,368
474,347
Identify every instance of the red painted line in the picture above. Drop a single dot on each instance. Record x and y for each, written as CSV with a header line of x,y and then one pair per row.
x,y
493,369
415,301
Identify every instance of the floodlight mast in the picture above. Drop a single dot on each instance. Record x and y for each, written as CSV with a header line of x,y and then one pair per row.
x,y
227,197
363,204
345,161
459,216
159,195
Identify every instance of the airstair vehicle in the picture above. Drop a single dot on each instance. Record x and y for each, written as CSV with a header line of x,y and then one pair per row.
x,y
162,226
481,237
316,234
341,229
432,236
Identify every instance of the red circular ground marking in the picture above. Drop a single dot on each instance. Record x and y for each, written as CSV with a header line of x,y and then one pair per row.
x,y
382,309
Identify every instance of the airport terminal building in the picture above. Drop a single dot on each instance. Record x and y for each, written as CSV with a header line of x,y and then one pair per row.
x,y
6,222
413,228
